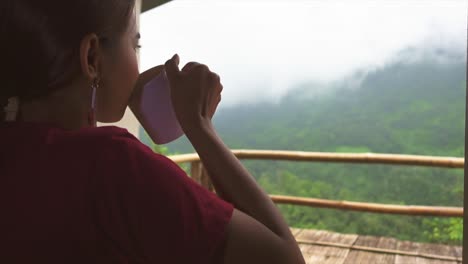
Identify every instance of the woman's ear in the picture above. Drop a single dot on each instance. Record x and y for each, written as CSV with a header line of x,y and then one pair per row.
x,y
90,56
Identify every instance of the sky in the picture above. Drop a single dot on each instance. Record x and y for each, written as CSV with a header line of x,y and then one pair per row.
x,y
264,48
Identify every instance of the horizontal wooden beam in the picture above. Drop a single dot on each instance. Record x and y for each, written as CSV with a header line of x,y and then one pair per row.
x,y
392,159
183,158
371,207
150,4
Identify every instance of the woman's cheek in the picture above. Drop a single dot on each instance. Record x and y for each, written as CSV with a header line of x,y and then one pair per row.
x,y
126,82
132,73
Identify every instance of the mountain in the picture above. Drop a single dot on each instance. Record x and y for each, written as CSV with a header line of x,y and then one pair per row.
x,y
407,106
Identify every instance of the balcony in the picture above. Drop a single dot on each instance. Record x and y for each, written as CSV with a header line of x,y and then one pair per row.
x,y
319,246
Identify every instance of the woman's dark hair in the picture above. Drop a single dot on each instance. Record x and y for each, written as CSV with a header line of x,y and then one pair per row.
x,y
40,43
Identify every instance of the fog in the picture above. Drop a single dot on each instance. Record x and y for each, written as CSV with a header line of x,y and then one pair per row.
x,y
264,48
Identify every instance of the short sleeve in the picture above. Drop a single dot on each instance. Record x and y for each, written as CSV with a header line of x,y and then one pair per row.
x,y
153,212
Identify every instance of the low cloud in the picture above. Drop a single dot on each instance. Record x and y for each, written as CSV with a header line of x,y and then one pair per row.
x,y
263,49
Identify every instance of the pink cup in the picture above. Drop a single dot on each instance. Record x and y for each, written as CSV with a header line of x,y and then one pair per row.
x,y
153,108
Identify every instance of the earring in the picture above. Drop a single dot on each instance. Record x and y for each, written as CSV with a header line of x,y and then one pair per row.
x,y
92,111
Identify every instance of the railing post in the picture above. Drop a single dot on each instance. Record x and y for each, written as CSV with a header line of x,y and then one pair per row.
x,y
206,180
465,176
200,175
196,171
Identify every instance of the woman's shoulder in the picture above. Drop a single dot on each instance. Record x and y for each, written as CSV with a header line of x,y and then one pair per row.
x,y
102,143
116,141
53,135
104,134
105,145
93,137
117,144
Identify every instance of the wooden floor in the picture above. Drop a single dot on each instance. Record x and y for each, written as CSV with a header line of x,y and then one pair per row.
x,y
320,246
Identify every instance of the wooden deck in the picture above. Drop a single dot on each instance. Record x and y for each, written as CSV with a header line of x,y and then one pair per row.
x,y
326,247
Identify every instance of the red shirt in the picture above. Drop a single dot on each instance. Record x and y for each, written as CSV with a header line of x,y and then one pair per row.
x,y
98,195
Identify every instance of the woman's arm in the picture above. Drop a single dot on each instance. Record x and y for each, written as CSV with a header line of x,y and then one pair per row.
x,y
233,182
268,239
195,93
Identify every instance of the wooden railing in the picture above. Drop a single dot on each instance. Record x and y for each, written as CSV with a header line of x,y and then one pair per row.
x,y
199,174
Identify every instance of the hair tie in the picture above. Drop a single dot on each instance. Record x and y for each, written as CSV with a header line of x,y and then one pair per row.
x,y
11,110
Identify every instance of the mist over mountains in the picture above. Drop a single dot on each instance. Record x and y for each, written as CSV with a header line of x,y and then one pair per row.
x,y
421,89
262,58
407,106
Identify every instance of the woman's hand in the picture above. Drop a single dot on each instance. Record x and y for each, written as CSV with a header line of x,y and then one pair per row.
x,y
195,92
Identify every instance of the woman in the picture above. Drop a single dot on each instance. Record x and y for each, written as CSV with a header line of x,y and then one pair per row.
x,y
72,192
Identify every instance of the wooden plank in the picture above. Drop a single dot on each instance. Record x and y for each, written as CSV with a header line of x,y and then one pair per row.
x,y
360,256
407,246
436,249
457,252
325,254
327,236
295,231
319,246
305,249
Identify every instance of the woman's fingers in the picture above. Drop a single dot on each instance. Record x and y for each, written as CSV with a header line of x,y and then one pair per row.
x,y
189,66
195,90
215,99
172,67
214,106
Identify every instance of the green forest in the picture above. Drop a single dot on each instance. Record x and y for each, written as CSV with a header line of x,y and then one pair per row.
x,y
403,108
